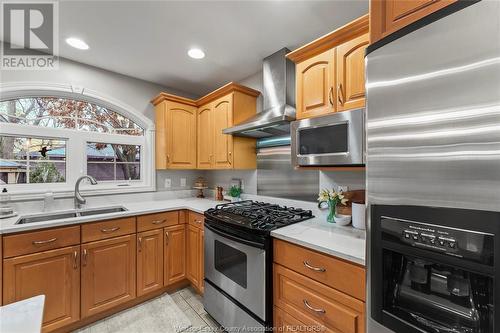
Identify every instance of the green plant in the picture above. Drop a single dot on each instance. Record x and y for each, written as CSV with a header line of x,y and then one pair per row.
x,y
46,172
234,191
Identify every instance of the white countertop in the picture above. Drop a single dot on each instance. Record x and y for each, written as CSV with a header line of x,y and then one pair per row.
x,y
22,317
317,234
343,242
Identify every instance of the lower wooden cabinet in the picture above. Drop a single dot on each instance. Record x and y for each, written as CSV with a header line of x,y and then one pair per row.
x,y
83,280
108,273
193,257
55,274
316,304
149,261
195,251
283,322
174,266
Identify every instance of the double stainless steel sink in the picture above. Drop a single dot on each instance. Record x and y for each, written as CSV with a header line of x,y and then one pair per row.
x,y
43,217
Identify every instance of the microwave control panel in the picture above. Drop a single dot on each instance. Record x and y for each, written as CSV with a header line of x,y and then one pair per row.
x,y
466,244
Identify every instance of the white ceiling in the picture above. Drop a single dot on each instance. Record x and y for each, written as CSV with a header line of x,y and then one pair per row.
x,y
149,39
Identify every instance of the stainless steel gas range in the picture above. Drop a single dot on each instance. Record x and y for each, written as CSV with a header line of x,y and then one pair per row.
x,y
238,261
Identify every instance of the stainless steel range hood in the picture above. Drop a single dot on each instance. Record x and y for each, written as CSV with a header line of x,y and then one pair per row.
x,y
279,100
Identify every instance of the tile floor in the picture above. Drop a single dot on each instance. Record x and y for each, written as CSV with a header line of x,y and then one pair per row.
x,y
191,304
188,312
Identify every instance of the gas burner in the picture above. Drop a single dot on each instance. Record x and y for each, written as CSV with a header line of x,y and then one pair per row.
x,y
256,215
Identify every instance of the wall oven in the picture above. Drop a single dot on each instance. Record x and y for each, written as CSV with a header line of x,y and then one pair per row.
x,y
438,268
336,139
237,277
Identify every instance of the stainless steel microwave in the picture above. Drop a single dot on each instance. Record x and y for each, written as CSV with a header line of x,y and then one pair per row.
x,y
333,140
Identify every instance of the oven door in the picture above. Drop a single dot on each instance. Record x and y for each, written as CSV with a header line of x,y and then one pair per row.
x,y
336,139
238,267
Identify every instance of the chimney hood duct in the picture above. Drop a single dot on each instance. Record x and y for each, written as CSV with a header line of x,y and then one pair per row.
x,y
279,100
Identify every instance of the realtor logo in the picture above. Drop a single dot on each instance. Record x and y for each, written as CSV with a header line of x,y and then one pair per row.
x,y
29,35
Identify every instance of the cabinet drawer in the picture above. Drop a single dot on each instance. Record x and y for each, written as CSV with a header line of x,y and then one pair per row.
x,y
315,304
157,220
336,273
197,220
107,229
37,241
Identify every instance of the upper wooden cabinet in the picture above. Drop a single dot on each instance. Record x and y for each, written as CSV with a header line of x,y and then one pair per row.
x,y
175,133
192,138
330,71
315,79
351,73
205,136
388,16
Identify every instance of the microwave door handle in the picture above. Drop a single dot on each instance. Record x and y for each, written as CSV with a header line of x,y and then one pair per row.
x,y
234,238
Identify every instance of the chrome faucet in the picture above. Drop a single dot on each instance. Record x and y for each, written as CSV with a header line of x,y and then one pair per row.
x,y
79,199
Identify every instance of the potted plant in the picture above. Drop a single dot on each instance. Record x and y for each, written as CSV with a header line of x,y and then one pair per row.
x,y
234,192
332,198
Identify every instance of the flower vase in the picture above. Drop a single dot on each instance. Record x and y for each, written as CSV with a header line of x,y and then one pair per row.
x,y
332,210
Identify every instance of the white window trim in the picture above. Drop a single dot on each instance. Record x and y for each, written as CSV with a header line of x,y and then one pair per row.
x,y
76,141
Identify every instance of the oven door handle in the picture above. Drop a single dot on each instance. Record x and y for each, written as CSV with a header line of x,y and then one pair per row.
x,y
234,238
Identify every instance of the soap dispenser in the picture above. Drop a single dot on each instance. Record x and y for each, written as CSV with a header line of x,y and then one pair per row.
x,y
6,210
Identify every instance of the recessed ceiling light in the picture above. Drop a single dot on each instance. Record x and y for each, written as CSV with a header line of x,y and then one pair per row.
x,y
196,54
77,43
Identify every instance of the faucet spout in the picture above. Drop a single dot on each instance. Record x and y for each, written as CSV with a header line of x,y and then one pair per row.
x,y
79,199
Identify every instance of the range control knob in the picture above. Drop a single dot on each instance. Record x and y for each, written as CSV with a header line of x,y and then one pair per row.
x,y
452,244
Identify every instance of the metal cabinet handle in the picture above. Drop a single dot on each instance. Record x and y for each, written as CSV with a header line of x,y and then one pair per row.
x,y
340,94
330,96
197,221
159,221
168,158
107,231
140,243
43,242
229,159
166,237
75,259
84,257
316,269
306,303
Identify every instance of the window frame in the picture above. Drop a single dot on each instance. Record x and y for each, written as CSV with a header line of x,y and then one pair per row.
x,y
76,156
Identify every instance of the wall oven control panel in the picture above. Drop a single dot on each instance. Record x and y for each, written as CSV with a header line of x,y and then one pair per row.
x,y
466,244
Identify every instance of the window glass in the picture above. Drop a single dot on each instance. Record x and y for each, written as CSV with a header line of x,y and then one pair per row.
x,y
66,113
110,162
25,160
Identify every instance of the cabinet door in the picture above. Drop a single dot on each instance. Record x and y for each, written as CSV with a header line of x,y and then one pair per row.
x,y
315,82
201,285
181,145
223,143
351,73
149,261
55,274
108,273
175,254
205,137
388,16
193,255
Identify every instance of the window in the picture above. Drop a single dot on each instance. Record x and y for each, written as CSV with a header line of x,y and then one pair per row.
x,y
66,113
27,160
47,142
113,162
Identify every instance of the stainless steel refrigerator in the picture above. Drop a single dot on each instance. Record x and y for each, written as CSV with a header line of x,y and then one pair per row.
x,y
433,117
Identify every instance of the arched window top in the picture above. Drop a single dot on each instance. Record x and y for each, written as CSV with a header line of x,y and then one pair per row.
x,y
67,113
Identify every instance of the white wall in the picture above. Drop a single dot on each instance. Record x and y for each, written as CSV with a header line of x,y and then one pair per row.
x,y
133,92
